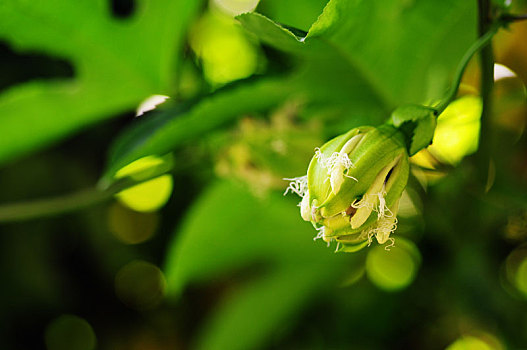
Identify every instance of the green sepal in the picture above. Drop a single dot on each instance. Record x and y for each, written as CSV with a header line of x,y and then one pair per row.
x,y
346,230
397,182
352,248
377,149
318,186
417,123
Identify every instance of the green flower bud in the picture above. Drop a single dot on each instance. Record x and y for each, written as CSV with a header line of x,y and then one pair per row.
x,y
353,186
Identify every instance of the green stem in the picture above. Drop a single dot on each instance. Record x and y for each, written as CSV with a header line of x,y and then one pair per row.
x,y
74,201
481,43
487,84
513,18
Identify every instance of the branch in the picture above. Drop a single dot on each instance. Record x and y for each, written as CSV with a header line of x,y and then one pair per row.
x,y
74,201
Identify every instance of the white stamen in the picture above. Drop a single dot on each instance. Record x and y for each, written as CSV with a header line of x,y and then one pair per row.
x,y
392,244
381,231
375,202
297,185
336,165
320,233
384,228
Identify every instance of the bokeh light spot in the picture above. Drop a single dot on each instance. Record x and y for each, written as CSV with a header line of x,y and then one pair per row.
x,y
470,343
521,277
516,269
225,52
140,285
236,7
69,332
457,131
394,269
129,226
150,195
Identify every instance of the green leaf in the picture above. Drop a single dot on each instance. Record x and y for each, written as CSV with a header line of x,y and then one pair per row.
x,y
296,13
271,32
328,82
418,123
162,132
118,63
400,46
422,42
269,303
348,72
229,229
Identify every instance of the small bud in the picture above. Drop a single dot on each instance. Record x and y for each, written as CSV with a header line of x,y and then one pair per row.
x,y
354,183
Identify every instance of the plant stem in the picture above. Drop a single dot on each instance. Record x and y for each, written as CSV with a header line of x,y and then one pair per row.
x,y
73,201
480,44
487,83
513,18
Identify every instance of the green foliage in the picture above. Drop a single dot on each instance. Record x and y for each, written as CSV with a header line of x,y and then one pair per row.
x,y
410,28
353,29
248,231
269,302
342,64
271,32
161,133
298,14
117,64
418,123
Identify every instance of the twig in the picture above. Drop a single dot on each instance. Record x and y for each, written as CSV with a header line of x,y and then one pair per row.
x,y
73,201
483,42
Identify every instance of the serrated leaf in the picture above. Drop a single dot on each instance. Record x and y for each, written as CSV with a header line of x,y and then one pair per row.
x,y
118,63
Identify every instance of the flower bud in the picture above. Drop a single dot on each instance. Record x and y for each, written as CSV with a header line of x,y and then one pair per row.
x,y
353,185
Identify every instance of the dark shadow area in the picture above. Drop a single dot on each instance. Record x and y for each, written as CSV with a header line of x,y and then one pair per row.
x,y
122,8
17,68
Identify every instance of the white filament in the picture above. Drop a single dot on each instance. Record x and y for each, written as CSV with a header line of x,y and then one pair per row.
x,y
297,185
336,165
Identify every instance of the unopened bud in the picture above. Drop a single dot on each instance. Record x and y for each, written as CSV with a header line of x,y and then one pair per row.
x,y
353,186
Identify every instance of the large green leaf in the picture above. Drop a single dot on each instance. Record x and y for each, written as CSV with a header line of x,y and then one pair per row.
x,y
404,51
250,315
403,47
229,229
329,83
117,64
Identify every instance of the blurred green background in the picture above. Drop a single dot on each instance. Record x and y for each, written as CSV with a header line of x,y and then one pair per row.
x,y
211,255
